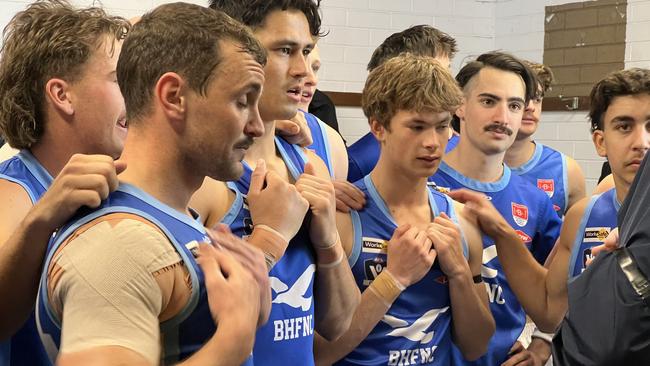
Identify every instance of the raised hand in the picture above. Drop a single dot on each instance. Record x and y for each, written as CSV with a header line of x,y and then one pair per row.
x,y
348,196
477,205
295,131
446,239
410,255
319,192
233,294
85,180
275,203
250,258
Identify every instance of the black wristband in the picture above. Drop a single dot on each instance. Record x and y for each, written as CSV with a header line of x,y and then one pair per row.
x,y
477,279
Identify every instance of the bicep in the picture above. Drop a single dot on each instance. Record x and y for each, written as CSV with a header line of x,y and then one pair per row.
x,y
346,231
107,292
15,206
473,238
339,154
576,182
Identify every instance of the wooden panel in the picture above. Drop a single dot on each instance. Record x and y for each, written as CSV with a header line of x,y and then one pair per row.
x,y
342,99
565,104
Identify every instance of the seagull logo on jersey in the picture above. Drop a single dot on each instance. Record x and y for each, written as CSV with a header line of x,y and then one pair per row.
x,y
294,296
489,254
520,214
416,331
546,185
494,290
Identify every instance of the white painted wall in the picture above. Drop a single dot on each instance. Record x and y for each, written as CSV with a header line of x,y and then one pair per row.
x,y
358,26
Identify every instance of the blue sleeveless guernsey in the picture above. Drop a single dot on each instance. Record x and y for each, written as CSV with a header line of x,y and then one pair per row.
x,y
547,170
24,347
364,154
530,212
193,325
288,337
416,330
321,144
598,220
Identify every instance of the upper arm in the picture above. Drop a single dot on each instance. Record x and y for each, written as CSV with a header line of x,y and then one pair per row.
x,y
338,152
15,206
558,269
576,182
106,288
346,231
472,233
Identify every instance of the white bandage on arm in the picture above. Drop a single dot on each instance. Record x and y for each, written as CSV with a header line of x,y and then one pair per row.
x,y
106,288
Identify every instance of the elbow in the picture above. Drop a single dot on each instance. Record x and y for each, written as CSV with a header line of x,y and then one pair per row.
x,y
479,346
334,327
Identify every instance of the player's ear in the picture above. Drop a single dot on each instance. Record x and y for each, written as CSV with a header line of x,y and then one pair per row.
x,y
170,96
598,137
377,129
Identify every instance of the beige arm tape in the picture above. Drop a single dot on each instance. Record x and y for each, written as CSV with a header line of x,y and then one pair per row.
x,y
386,287
271,242
106,288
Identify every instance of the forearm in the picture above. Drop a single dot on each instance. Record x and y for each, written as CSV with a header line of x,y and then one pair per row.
x,y
21,259
373,306
231,345
526,277
473,324
336,293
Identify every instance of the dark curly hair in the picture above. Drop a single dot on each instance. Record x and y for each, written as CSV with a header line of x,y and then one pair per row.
x,y
618,83
254,12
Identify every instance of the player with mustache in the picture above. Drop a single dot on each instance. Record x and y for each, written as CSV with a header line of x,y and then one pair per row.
x,y
496,88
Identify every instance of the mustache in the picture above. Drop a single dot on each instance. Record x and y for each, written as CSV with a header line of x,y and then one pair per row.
x,y
495,127
244,143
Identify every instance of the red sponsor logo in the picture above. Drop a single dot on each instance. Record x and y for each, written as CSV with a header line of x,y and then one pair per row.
x,y
546,185
443,280
557,208
524,237
520,214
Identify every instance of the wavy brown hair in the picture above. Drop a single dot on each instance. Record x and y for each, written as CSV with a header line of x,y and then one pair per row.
x,y
411,83
49,39
543,74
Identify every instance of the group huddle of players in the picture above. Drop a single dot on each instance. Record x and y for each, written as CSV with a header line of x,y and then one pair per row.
x,y
229,226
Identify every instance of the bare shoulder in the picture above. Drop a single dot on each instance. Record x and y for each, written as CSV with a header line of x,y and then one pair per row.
x,y
339,153
212,200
